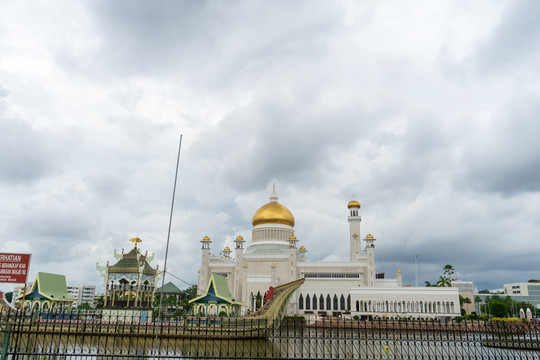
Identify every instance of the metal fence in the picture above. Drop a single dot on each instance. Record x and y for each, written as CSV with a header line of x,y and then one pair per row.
x,y
88,336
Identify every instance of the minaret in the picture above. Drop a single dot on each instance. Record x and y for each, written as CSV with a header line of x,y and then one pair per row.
x,y
354,228
239,262
292,259
370,254
203,272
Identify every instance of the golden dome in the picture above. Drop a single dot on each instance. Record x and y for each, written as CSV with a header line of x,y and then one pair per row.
x,y
206,238
302,248
353,204
226,249
292,237
369,236
273,213
239,238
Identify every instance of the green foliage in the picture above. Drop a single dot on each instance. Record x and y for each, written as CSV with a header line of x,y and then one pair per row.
x,y
458,319
463,312
100,302
191,292
473,316
9,296
485,291
84,306
445,280
356,317
498,309
449,270
505,319
222,314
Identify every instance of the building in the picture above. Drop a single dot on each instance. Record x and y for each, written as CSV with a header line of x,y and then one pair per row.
x,y
330,288
217,299
131,281
466,290
172,296
85,294
47,293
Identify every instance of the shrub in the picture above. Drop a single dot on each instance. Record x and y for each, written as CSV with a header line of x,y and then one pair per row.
x,y
356,317
484,317
458,319
463,312
222,314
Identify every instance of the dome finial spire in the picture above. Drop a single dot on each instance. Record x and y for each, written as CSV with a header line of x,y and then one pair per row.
x,y
273,196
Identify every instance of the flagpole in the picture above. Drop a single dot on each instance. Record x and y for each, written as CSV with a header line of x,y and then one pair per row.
x,y
167,247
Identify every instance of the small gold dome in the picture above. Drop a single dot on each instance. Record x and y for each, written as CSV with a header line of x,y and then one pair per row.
x,y
292,237
353,204
369,236
206,238
273,213
239,238
227,248
302,248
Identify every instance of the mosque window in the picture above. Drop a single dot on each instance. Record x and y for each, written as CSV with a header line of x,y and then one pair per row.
x,y
314,302
308,303
335,303
321,302
328,303
342,302
349,302
301,302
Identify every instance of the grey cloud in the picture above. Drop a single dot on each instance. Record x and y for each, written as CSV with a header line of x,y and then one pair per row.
x,y
505,159
206,43
514,43
25,156
271,138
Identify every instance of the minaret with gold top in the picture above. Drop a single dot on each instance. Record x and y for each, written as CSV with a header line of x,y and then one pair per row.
x,y
354,229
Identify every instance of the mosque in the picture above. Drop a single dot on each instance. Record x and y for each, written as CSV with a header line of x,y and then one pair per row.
x,y
330,288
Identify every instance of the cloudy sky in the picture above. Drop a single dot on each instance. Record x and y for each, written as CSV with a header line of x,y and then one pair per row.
x,y
427,111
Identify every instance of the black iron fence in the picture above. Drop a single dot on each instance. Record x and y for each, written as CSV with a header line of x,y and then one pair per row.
x,y
113,335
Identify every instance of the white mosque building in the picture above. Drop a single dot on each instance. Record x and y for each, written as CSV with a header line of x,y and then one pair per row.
x,y
330,288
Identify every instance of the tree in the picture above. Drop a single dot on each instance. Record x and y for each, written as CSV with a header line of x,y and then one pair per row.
x,y
83,306
100,302
444,282
9,296
485,291
191,292
477,299
498,309
464,300
449,270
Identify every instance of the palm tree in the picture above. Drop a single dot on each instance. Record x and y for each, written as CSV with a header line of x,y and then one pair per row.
x,y
444,282
449,270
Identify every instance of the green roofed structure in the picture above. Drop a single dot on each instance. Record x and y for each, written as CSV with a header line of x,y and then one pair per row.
x,y
217,299
131,281
172,296
48,293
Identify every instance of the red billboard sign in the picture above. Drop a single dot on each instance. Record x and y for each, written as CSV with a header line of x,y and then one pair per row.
x,y
14,268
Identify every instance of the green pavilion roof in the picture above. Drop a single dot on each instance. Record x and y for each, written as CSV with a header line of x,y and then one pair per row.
x,y
50,286
169,288
217,288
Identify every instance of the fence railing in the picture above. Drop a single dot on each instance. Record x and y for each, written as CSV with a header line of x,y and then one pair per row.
x,y
90,335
